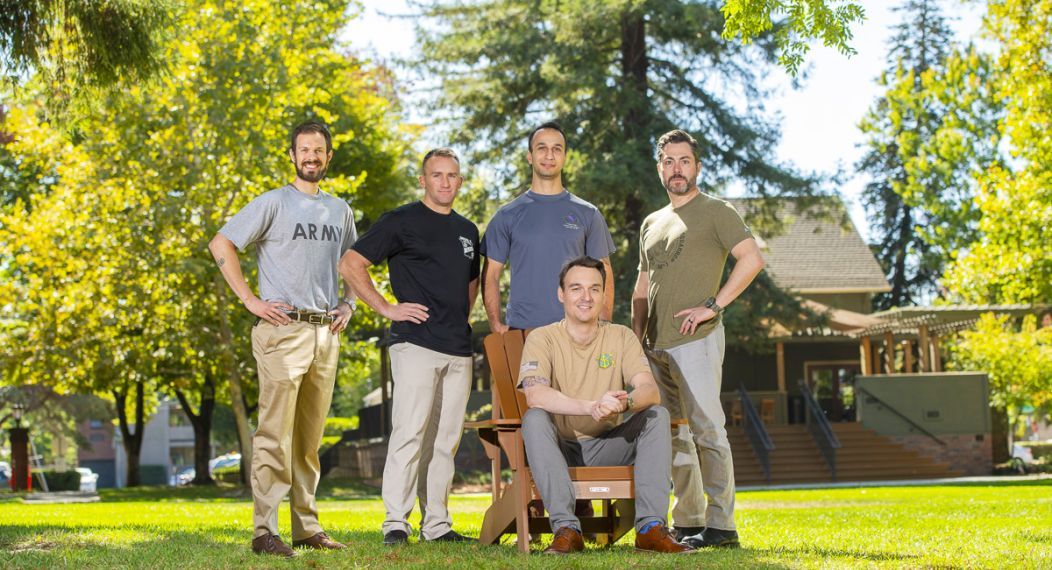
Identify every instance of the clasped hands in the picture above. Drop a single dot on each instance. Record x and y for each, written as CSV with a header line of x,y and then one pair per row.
x,y
610,404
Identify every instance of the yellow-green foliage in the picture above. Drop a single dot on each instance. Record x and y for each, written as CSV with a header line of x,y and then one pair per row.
x,y
1012,261
1018,360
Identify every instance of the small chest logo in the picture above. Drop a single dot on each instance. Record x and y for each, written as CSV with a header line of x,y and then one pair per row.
x,y
571,222
605,360
469,247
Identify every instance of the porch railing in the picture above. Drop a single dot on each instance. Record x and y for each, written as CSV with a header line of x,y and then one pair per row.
x,y
890,408
820,429
756,432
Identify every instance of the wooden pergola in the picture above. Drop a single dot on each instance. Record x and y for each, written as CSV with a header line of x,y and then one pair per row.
x,y
915,333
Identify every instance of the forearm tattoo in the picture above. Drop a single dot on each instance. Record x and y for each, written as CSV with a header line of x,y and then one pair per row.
x,y
220,261
531,381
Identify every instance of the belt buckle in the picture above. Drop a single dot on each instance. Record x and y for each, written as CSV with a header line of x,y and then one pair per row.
x,y
315,319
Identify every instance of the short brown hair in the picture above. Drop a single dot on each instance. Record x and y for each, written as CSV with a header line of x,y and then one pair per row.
x,y
311,126
440,151
676,136
583,261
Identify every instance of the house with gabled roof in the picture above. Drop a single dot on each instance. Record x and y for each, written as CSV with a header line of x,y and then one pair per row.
x,y
863,396
822,259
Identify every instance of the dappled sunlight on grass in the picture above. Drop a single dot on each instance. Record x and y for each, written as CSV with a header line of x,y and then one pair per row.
x,y
940,526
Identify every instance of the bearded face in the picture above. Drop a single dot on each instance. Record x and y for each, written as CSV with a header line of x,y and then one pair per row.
x,y
311,157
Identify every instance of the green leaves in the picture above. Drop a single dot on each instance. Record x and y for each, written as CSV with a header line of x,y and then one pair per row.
x,y
1011,261
828,21
1017,358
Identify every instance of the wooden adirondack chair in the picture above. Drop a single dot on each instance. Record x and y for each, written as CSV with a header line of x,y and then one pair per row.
x,y
503,432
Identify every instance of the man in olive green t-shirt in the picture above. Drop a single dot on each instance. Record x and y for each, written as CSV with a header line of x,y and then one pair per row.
x,y
676,311
575,374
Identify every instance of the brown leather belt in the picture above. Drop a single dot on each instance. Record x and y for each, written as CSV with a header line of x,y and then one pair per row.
x,y
312,318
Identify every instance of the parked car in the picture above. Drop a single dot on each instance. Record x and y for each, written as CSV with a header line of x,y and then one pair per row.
x,y
223,461
5,473
88,479
185,476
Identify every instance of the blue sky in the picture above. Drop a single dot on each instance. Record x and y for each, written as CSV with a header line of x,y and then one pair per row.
x,y
819,120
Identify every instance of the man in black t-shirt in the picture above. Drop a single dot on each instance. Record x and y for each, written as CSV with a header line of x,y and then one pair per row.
x,y
432,260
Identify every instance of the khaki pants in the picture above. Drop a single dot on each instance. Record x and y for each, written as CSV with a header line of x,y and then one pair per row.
x,y
427,419
297,369
690,377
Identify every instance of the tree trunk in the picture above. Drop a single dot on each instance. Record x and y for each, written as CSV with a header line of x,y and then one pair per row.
x,y
1001,434
202,424
636,105
237,402
132,441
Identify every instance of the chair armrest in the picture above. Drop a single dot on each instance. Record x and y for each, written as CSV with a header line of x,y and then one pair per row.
x,y
490,424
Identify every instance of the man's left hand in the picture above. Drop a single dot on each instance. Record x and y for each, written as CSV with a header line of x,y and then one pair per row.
x,y
694,317
343,313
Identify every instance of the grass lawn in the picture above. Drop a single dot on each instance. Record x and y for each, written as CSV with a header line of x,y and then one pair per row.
x,y
1006,525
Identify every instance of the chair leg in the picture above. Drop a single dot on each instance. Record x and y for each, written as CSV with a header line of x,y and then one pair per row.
x,y
624,519
500,516
521,486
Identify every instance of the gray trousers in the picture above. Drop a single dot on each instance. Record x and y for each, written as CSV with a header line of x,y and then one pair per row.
x,y
690,377
643,440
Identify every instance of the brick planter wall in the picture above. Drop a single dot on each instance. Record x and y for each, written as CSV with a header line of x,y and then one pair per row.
x,y
969,454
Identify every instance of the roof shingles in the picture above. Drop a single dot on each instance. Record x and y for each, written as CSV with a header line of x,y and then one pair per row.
x,y
818,254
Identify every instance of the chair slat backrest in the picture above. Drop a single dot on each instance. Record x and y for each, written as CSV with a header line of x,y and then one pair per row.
x,y
503,352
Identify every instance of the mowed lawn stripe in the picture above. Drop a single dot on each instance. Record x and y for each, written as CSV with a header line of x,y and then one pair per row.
x,y
989,526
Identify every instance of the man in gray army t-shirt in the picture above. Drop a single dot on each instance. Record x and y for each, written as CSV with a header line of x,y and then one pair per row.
x,y
300,233
537,233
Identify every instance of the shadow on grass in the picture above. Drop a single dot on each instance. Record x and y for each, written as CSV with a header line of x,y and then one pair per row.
x,y
219,491
840,552
328,490
48,545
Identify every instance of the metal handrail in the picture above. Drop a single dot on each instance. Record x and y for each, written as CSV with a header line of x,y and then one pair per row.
x,y
900,414
821,431
756,432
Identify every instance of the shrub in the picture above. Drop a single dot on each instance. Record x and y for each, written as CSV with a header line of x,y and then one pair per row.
x,y
62,480
336,426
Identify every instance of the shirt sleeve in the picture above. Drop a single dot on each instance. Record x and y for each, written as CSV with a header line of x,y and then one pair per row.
x,y
381,241
644,265
634,360
496,242
251,224
536,359
350,232
730,227
598,242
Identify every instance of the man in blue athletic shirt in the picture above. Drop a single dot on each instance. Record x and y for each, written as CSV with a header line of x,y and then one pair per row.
x,y
536,234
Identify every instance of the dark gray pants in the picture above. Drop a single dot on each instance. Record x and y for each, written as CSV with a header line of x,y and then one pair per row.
x,y
643,440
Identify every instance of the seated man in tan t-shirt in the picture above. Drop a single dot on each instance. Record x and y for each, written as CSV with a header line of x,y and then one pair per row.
x,y
574,374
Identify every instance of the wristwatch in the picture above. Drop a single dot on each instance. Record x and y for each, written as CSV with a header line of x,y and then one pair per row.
x,y
711,304
349,301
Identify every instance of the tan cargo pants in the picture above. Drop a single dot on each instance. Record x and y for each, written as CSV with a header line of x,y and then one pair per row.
x,y
297,368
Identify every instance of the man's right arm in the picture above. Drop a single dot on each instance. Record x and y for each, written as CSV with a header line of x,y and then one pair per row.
x,y
491,271
640,310
540,394
354,268
225,254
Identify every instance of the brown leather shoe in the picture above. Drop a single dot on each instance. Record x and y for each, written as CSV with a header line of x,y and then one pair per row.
x,y
271,544
658,539
567,540
320,541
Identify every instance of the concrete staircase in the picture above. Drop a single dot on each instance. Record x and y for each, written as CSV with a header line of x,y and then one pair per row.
x,y
863,456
